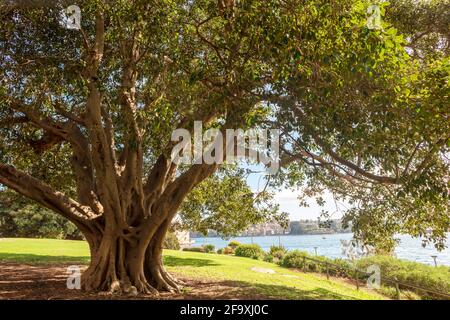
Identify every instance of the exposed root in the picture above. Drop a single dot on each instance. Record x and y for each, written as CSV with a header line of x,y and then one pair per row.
x,y
117,269
175,283
161,279
142,286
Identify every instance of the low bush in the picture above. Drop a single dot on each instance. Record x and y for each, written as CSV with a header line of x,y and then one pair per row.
x,y
250,251
344,269
277,252
301,260
294,259
228,250
23,220
234,244
208,248
194,249
220,251
409,272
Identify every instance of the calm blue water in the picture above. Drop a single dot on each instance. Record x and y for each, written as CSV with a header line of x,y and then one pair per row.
x,y
330,246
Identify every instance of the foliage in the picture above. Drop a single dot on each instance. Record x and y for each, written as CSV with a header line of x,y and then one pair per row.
x,y
253,251
407,272
226,204
86,117
21,218
234,244
302,260
194,249
228,250
391,292
294,259
376,138
277,252
209,248
422,275
171,241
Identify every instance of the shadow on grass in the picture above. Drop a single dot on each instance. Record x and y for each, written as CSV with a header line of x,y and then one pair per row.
x,y
266,291
228,289
172,261
28,258
35,258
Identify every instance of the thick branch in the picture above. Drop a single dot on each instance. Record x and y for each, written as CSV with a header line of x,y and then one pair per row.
x,y
42,193
335,156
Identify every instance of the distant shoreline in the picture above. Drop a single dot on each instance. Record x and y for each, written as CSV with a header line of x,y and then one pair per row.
x,y
330,245
273,235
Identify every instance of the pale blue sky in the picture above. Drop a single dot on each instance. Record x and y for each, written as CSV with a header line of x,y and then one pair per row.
x,y
288,199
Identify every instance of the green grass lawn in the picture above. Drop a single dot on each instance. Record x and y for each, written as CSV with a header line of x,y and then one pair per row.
x,y
284,283
43,251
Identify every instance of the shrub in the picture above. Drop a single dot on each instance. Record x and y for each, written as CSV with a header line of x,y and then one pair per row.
x,y
301,260
220,251
208,248
250,251
228,250
344,268
171,242
414,273
194,249
407,272
277,252
234,244
294,259
268,258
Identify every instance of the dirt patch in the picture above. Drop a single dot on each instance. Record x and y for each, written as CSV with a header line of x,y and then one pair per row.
x,y
263,270
48,282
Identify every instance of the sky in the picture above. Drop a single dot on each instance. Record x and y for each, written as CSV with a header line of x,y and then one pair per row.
x,y
288,201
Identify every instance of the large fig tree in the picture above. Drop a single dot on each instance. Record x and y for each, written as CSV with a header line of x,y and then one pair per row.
x,y
86,114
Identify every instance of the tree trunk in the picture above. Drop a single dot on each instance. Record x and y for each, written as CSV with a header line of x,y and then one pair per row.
x,y
153,264
125,226
122,206
119,266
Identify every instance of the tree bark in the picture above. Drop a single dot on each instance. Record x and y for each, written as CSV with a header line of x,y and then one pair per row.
x,y
119,266
123,211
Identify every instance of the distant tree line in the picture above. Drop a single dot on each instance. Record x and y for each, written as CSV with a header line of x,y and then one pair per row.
x,y
317,227
20,218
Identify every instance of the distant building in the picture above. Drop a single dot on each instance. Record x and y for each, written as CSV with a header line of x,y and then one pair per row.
x,y
266,229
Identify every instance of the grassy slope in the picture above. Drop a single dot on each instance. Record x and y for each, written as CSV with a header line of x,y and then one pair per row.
x,y
43,251
283,284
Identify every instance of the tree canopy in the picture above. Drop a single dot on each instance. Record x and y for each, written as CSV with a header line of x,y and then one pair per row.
x,y
87,115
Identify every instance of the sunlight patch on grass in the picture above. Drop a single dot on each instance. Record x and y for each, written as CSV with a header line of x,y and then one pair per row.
x,y
237,271
284,283
43,250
